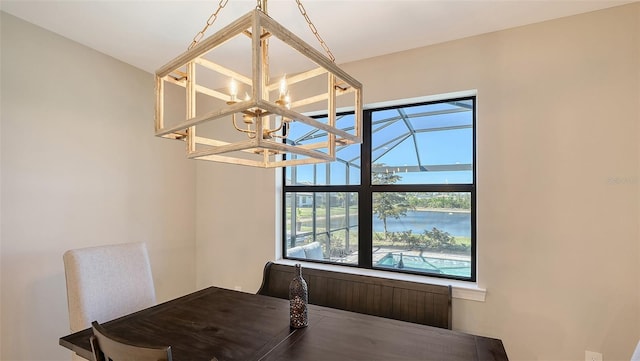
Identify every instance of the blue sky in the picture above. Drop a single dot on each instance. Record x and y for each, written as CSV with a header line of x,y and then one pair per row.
x,y
437,144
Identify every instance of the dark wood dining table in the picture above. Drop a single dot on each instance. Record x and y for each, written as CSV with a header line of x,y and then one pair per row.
x,y
216,323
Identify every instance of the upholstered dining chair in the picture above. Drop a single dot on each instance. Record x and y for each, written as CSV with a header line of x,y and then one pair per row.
x,y
107,282
108,347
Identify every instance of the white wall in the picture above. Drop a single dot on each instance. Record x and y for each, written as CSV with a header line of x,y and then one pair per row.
x,y
558,178
80,167
235,225
558,183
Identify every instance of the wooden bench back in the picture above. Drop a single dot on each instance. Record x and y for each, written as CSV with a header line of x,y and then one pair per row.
x,y
401,300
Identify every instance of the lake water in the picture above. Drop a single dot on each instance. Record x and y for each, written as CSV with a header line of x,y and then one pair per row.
x,y
455,223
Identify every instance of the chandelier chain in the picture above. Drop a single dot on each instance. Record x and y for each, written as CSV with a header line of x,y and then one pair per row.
x,y
324,45
210,22
303,11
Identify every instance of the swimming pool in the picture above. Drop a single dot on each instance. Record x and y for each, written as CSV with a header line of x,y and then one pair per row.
x,y
417,263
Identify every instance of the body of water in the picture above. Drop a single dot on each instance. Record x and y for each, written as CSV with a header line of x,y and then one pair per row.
x,y
454,223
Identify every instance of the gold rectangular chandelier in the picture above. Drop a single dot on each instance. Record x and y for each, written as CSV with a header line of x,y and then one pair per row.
x,y
252,121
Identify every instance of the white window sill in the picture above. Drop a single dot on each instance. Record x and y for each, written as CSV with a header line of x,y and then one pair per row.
x,y
460,289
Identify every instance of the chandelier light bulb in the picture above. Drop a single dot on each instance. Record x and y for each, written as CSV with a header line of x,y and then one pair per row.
x,y
283,86
233,89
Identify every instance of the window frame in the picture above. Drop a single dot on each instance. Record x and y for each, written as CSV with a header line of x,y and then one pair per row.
x,y
366,189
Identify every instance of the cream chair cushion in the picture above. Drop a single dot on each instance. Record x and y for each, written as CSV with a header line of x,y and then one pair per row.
x,y
107,282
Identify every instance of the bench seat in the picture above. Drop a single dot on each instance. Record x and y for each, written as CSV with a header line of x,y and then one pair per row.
x,y
401,300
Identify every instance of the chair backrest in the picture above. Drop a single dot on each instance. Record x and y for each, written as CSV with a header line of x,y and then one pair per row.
x,y
422,303
107,282
109,347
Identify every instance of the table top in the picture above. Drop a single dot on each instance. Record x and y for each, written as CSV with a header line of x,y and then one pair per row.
x,y
232,325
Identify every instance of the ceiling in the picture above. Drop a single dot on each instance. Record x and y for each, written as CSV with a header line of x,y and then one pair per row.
x,y
149,33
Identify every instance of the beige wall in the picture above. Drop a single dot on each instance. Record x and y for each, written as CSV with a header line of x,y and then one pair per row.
x,y
80,167
558,183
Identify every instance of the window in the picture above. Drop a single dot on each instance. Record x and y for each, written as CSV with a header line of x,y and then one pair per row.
x,y
402,201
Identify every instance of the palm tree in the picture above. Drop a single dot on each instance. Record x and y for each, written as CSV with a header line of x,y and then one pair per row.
x,y
389,204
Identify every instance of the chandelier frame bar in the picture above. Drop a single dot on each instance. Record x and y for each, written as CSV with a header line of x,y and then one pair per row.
x,y
260,107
